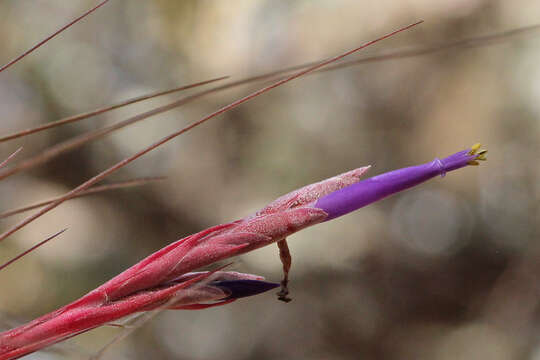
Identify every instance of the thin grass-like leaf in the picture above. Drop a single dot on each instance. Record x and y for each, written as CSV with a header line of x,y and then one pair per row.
x,y
78,141
94,190
26,252
5,162
42,42
468,43
103,110
220,111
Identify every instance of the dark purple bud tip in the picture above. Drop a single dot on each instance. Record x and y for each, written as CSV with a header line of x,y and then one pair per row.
x,y
242,288
367,191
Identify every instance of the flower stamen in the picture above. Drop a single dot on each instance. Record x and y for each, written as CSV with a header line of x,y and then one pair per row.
x,y
478,154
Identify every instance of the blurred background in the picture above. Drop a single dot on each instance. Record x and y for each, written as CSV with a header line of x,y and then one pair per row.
x,y
448,270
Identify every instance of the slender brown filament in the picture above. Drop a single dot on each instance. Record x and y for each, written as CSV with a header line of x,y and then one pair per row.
x,y
220,111
93,190
42,42
26,252
100,111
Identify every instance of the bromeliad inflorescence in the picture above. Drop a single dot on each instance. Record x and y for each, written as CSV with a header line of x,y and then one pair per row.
x,y
164,280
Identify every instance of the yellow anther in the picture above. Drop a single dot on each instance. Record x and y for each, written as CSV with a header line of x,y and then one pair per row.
x,y
482,152
473,163
474,148
481,157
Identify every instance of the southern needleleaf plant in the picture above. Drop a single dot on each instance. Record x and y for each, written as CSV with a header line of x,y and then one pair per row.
x,y
194,272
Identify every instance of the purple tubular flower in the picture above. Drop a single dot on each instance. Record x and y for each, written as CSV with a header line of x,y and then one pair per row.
x,y
243,288
367,191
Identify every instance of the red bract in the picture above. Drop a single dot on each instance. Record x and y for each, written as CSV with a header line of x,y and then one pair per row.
x,y
188,292
163,278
